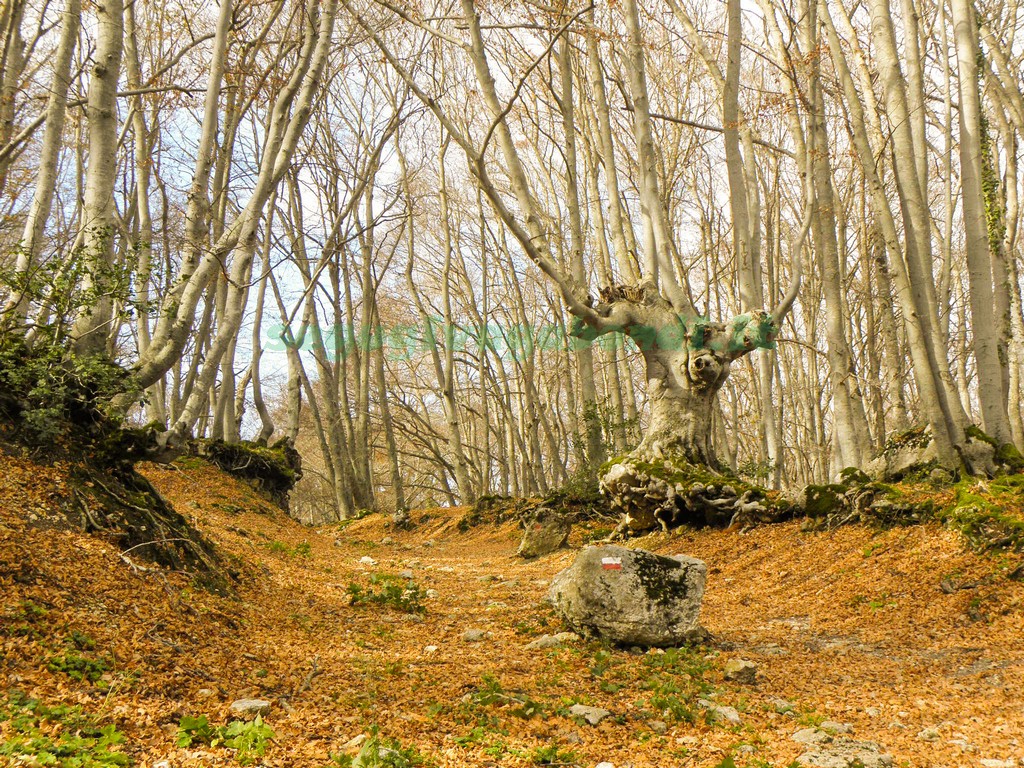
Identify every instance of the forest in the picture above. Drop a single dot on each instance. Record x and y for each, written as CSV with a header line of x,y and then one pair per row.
x,y
293,287
373,230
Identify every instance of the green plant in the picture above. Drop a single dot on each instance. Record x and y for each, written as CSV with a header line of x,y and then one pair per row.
x,y
602,661
401,594
552,755
676,681
248,739
46,391
60,736
492,693
78,667
378,752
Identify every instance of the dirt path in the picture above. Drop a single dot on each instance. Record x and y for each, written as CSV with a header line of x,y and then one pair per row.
x,y
851,627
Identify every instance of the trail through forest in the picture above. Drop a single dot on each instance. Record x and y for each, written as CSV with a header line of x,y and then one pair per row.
x,y
902,637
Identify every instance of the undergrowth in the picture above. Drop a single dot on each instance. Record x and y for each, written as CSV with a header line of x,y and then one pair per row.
x,y
248,739
389,590
379,752
61,736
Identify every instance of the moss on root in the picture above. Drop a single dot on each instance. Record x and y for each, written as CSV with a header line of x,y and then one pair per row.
x,y
274,469
669,493
988,513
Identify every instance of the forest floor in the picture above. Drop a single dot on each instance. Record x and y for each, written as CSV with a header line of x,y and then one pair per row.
x,y
904,635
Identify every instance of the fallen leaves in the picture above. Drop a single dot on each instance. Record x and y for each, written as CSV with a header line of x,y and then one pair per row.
x,y
851,625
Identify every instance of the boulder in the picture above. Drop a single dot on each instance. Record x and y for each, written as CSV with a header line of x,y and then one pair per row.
x,y
631,596
826,750
546,531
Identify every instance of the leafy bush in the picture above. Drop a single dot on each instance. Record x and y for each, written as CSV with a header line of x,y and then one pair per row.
x,y
401,594
46,391
249,739
58,736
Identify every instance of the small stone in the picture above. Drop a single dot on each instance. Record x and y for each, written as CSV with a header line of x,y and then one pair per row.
x,y
249,708
354,744
387,540
872,711
811,736
367,560
431,594
834,727
929,734
552,641
474,636
205,693
988,762
430,649
405,575
719,713
593,715
605,765
783,707
746,749
740,671
573,738
660,727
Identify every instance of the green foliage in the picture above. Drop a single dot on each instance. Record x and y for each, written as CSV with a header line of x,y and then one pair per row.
x,y
23,621
58,736
78,667
401,594
676,682
552,755
378,752
492,693
46,391
279,547
249,739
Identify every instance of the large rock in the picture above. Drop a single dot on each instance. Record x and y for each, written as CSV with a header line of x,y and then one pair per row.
x,y
825,750
631,596
546,531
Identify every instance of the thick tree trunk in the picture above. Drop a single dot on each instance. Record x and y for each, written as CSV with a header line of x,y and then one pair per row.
x,y
681,402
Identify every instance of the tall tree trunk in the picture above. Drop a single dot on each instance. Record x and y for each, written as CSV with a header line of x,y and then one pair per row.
x,y
986,342
93,322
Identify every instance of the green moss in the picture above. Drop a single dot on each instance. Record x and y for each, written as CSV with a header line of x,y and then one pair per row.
x,y
823,500
272,469
988,514
915,437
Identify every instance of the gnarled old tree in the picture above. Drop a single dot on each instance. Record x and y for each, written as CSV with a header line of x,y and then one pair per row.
x,y
687,355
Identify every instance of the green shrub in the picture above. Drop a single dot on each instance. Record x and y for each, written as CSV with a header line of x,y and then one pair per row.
x,y
248,739
492,693
401,594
